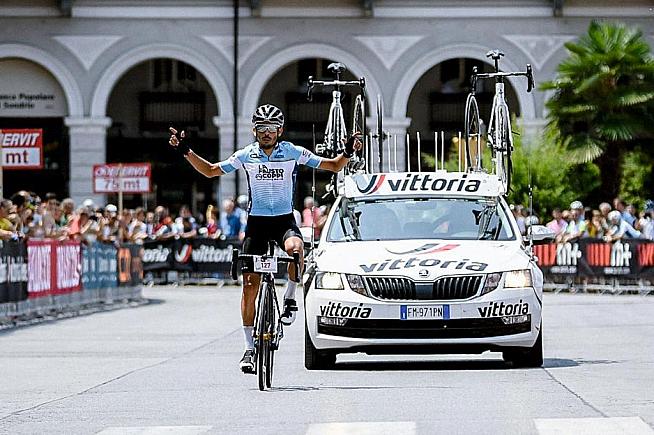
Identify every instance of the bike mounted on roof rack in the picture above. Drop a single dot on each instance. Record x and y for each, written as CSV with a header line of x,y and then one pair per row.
x,y
499,137
336,132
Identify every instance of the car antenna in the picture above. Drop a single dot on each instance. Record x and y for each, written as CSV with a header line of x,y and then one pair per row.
x,y
313,193
531,205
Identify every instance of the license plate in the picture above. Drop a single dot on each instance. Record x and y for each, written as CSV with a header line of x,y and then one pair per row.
x,y
262,264
424,312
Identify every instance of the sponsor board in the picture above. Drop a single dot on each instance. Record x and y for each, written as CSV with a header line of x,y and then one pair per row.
x,y
196,255
53,267
22,148
438,183
592,257
125,177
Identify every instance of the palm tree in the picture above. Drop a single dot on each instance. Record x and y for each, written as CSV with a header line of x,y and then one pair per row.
x,y
603,102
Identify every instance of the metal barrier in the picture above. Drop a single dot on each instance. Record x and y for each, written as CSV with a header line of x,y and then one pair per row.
x,y
47,278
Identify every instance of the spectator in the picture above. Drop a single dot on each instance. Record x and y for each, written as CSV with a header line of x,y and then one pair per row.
x,y
243,202
311,215
578,207
213,229
84,228
137,230
620,228
231,223
518,213
163,224
620,206
647,220
558,223
577,226
68,207
595,228
7,229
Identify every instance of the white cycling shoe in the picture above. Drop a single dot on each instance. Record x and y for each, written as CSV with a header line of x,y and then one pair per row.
x,y
290,312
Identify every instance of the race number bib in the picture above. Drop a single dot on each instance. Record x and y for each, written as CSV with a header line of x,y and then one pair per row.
x,y
262,264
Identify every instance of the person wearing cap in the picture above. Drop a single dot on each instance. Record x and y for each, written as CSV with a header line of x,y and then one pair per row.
x,y
577,226
271,167
620,228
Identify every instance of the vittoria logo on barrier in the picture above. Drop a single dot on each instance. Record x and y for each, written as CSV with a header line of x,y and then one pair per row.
x,y
212,254
159,254
183,255
497,309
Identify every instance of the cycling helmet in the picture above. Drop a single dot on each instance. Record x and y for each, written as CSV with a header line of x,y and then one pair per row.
x,y
576,205
268,114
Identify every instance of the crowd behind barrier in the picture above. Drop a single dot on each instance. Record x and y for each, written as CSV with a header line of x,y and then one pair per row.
x,y
46,276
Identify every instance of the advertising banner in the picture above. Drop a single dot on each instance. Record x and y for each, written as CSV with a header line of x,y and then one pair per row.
x,y
99,266
130,265
53,267
125,177
13,271
632,258
190,255
22,148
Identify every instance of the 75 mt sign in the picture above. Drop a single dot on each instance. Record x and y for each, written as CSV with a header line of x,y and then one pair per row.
x,y
122,177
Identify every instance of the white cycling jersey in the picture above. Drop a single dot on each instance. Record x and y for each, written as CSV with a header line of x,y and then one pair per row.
x,y
271,180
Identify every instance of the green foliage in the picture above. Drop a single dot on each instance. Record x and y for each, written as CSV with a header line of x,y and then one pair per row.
x,y
603,93
556,179
637,168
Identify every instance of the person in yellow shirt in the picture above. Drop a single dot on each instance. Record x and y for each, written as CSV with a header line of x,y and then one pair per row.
x,y
7,230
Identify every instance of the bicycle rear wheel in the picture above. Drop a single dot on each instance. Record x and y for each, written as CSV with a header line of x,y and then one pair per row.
x,y
263,341
472,124
272,330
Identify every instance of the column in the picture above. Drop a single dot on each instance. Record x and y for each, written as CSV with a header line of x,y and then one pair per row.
x,y
227,185
88,144
532,131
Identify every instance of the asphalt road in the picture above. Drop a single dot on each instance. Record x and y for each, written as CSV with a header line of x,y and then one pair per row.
x,y
171,367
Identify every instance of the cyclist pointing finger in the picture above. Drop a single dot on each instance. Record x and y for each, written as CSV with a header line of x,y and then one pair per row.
x,y
271,167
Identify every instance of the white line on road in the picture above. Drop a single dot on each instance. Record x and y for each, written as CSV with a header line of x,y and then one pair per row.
x,y
364,428
593,426
156,430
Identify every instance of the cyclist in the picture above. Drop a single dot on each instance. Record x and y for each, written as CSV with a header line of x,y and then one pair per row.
x,y
271,166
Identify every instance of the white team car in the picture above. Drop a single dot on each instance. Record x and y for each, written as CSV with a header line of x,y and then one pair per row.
x,y
423,263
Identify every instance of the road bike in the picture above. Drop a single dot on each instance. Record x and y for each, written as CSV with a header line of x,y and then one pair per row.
x,y
336,130
499,137
268,329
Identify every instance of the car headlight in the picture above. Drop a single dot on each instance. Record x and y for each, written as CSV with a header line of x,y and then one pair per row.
x,y
517,279
356,284
329,281
492,281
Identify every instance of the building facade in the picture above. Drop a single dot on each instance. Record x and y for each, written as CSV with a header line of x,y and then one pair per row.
x,y
104,78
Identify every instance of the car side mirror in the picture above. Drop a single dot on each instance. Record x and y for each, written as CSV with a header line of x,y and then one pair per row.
x,y
539,234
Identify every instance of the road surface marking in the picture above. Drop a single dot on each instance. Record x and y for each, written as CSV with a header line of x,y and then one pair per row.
x,y
156,430
364,428
593,426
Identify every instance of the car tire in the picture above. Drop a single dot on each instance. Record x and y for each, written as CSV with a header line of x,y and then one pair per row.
x,y
315,359
526,356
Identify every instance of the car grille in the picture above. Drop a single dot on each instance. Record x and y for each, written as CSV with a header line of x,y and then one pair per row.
x,y
456,287
391,288
446,288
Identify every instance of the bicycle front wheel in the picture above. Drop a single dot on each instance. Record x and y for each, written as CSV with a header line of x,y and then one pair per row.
x,y
263,339
472,134
272,330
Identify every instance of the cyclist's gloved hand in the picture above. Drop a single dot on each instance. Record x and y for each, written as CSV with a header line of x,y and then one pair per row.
x,y
349,149
178,144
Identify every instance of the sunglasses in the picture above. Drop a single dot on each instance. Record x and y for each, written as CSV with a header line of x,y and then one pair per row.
x,y
266,128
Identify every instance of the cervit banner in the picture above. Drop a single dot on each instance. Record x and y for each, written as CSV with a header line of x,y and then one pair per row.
x,y
631,258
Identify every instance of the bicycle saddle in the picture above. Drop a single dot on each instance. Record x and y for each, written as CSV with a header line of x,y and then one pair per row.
x,y
495,54
336,67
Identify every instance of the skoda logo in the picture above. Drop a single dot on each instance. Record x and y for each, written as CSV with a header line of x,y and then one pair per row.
x,y
423,273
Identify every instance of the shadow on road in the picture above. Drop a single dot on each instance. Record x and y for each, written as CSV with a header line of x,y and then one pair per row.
x,y
555,363
420,365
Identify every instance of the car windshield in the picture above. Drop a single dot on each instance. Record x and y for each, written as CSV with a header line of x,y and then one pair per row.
x,y
429,218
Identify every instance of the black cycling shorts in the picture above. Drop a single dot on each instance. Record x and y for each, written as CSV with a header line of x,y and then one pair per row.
x,y
261,229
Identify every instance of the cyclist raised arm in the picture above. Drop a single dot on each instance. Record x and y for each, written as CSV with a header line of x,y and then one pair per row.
x,y
271,166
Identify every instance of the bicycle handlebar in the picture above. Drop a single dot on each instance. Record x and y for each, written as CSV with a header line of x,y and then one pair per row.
x,y
529,74
336,83
236,257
